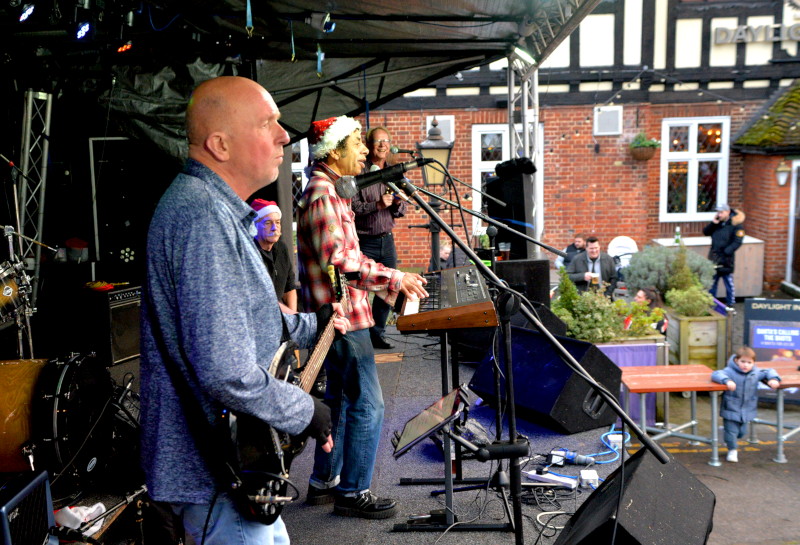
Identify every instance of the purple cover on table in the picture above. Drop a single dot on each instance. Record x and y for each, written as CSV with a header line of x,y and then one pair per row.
x,y
626,355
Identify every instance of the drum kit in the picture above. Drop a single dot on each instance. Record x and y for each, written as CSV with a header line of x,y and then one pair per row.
x,y
66,415
15,298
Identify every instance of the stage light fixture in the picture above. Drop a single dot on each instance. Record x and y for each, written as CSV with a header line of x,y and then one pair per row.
x,y
27,11
524,55
125,47
83,30
321,21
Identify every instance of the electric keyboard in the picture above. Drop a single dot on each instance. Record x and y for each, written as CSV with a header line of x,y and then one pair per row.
x,y
459,299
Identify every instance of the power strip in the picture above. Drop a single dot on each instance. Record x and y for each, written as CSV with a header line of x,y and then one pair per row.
x,y
566,482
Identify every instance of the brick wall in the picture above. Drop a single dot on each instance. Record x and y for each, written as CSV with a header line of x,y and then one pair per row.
x,y
593,185
767,209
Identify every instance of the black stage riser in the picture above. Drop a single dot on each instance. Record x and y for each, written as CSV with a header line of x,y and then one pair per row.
x,y
663,504
547,391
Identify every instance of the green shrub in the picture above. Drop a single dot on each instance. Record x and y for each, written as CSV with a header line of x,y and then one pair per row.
x,y
653,265
681,276
693,301
642,318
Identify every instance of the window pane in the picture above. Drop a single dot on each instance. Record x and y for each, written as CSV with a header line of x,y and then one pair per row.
x,y
679,138
677,179
492,147
709,138
707,185
296,158
486,178
297,188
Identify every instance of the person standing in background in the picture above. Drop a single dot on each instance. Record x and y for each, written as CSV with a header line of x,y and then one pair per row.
x,y
727,233
577,246
376,210
276,256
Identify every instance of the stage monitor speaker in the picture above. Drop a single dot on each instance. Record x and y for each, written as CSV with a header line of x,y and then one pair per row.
x,y
531,277
112,324
662,504
26,510
547,392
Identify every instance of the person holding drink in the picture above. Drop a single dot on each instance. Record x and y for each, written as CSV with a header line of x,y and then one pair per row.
x,y
593,268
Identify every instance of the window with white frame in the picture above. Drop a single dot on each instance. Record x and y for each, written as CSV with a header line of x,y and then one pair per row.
x,y
490,145
446,124
694,167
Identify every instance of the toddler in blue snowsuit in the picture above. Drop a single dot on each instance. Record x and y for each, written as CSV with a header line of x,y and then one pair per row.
x,y
740,402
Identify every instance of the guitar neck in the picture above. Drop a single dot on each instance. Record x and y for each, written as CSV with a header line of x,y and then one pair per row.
x,y
317,357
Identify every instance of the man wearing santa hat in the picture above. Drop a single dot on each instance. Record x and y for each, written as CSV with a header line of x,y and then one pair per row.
x,y
275,254
326,235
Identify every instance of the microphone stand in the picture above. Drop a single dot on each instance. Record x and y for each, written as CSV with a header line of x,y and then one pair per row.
x,y
480,216
495,199
411,190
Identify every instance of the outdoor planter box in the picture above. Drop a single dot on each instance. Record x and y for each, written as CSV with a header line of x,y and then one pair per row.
x,y
694,339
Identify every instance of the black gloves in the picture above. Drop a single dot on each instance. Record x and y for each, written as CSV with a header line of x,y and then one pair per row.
x,y
320,426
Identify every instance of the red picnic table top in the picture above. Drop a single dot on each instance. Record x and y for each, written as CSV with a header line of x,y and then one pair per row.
x,y
787,369
669,378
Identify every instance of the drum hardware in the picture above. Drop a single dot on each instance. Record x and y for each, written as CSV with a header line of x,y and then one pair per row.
x,y
16,291
71,420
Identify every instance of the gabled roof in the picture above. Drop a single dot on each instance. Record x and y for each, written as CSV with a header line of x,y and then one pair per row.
x,y
775,129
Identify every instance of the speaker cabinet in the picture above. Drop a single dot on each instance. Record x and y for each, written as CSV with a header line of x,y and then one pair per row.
x,y
663,504
547,392
531,277
112,324
26,510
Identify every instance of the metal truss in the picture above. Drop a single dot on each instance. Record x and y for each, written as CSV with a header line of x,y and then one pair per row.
x,y
523,123
33,165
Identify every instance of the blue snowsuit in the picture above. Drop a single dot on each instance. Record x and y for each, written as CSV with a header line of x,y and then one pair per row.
x,y
740,406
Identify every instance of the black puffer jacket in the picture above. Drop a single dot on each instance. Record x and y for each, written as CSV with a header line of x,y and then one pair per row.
x,y
726,237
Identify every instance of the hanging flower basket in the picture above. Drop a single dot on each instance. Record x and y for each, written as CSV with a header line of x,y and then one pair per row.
x,y
642,154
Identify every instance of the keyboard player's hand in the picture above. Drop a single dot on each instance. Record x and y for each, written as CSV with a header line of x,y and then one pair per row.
x,y
412,286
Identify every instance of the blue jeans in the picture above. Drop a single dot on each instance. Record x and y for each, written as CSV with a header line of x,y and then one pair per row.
x,y
381,250
226,526
356,401
733,432
727,279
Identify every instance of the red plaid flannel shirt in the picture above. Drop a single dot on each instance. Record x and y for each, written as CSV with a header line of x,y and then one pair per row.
x,y
326,235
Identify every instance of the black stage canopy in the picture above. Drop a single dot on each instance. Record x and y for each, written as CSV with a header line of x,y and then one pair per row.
x,y
318,59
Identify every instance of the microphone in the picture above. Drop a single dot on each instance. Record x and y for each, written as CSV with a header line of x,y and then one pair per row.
x,y
348,186
395,149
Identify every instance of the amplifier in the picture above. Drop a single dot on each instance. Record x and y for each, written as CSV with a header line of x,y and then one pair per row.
x,y
26,510
112,318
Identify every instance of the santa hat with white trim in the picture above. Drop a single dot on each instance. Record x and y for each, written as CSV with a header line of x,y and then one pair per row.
x,y
324,135
263,208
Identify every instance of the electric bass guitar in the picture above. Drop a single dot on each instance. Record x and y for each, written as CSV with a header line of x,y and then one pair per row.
x,y
265,454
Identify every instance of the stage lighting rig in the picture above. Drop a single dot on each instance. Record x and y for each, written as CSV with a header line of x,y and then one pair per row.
x,y
27,11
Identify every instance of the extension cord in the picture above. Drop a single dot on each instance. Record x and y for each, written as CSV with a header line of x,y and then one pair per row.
x,y
566,482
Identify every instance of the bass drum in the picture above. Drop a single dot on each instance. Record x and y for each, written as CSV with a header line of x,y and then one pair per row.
x,y
73,422
17,386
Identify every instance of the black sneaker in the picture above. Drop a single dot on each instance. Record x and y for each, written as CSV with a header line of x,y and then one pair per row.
x,y
381,343
319,496
366,506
